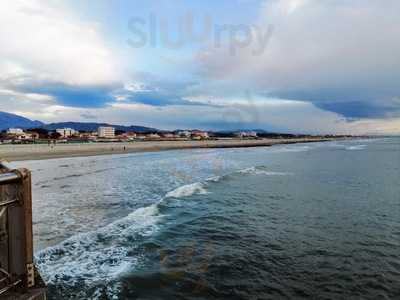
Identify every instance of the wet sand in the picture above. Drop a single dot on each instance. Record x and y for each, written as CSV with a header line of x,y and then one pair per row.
x,y
44,151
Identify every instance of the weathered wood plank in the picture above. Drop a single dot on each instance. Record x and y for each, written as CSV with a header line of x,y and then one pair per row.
x,y
26,198
16,239
16,231
3,238
33,294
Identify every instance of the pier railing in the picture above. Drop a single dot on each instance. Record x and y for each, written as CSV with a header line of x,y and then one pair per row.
x,y
18,277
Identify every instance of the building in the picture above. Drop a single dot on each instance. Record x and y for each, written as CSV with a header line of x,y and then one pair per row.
x,y
140,137
24,137
17,134
87,136
168,135
131,135
34,135
66,132
199,134
106,132
152,136
184,134
247,134
15,131
126,136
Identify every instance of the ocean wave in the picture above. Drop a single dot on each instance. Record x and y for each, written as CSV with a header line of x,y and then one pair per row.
x,y
334,145
255,170
44,186
97,259
262,171
74,175
214,179
295,148
187,190
99,256
356,148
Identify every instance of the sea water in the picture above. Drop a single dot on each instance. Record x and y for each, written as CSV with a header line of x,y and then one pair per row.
x,y
305,221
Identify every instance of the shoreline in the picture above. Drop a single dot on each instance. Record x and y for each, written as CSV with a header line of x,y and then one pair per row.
x,y
43,151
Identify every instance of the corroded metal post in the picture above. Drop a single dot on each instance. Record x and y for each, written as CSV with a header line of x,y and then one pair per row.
x,y
18,279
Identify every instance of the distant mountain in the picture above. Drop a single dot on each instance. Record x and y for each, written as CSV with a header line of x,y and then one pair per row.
x,y
8,120
81,126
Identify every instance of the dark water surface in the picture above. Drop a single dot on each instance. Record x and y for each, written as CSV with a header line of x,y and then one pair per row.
x,y
316,221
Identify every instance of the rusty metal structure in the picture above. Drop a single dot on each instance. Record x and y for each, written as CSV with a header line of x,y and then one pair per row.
x,y
19,278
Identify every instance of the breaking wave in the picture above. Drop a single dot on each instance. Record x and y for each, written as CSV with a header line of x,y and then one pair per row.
x,y
97,255
97,259
296,148
262,171
187,190
356,148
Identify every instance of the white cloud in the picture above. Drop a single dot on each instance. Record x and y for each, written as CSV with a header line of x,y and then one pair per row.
x,y
139,87
12,95
248,100
342,46
42,41
30,104
278,115
338,51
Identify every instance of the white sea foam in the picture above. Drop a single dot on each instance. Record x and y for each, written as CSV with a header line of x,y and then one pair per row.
x,y
187,190
294,148
260,171
98,256
334,145
214,178
356,148
103,255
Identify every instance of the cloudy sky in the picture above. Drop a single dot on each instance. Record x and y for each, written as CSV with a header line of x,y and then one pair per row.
x,y
312,66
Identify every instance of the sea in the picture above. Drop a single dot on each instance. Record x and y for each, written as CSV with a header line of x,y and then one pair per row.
x,y
302,221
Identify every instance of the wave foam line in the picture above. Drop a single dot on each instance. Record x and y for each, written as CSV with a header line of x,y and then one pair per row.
x,y
356,148
261,171
104,254
187,190
294,148
101,256
98,255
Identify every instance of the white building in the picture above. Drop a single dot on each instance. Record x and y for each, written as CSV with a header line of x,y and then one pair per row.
x,y
252,134
106,132
168,135
153,136
247,134
24,137
185,133
66,132
196,134
16,131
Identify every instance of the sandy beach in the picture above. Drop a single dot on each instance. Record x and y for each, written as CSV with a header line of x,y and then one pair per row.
x,y
44,151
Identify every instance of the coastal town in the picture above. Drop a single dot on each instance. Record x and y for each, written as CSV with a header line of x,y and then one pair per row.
x,y
71,139
39,143
110,134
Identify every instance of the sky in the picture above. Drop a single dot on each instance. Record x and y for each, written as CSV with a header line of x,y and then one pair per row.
x,y
299,66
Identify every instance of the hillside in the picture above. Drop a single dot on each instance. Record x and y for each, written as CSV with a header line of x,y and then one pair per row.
x,y
8,120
